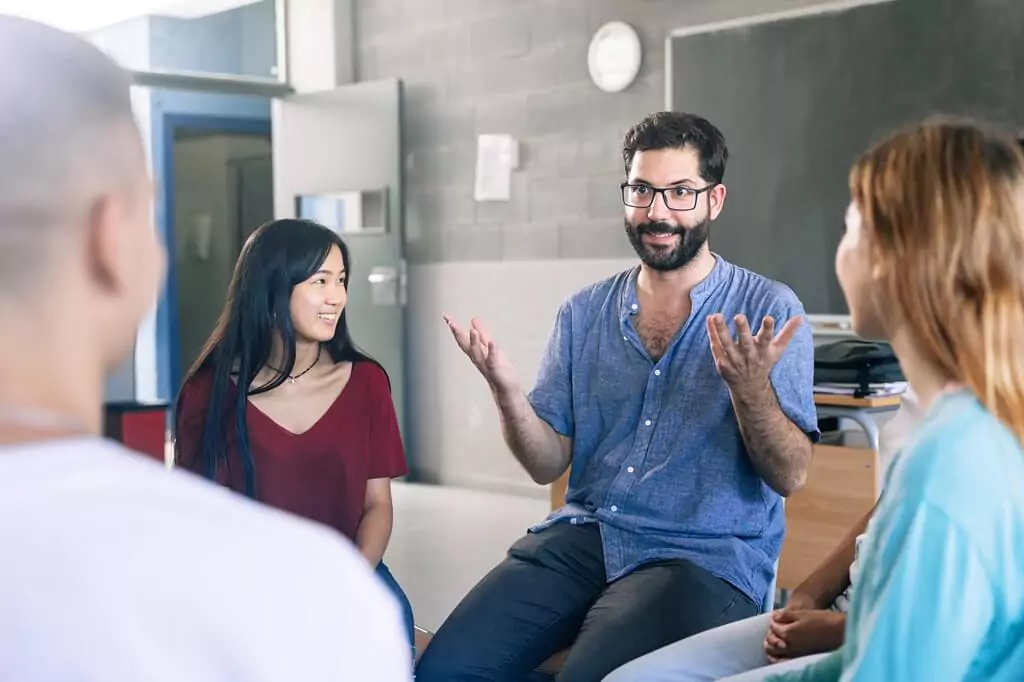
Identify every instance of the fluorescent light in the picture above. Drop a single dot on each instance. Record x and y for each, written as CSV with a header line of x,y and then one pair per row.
x,y
80,16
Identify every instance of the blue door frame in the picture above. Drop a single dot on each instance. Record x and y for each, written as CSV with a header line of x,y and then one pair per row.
x,y
167,331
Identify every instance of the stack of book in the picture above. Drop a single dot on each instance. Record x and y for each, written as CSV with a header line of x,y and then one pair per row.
x,y
874,390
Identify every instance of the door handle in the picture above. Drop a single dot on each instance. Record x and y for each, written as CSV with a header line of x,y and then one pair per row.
x,y
382,275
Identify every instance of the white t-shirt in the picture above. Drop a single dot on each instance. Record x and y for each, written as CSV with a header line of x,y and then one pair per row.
x,y
114,569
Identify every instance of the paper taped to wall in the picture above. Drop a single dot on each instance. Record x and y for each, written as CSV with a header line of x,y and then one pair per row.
x,y
496,157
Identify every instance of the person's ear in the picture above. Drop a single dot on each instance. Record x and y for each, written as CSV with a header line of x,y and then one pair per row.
x,y
881,267
716,200
108,248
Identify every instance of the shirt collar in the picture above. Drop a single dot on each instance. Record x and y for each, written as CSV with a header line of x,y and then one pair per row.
x,y
630,305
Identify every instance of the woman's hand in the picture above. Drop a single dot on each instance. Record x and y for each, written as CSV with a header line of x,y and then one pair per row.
x,y
794,633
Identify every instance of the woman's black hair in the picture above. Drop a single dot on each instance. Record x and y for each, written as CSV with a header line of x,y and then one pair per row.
x,y
277,257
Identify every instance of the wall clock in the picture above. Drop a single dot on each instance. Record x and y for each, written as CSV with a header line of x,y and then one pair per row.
x,y
614,56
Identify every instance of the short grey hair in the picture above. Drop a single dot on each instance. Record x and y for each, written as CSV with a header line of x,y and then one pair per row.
x,y
67,132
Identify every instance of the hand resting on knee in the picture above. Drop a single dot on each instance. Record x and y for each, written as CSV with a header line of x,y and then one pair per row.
x,y
796,632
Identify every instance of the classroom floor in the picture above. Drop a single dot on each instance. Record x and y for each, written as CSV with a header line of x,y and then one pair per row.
x,y
445,539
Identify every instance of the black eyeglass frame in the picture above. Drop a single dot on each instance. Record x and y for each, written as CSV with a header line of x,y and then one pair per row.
x,y
655,191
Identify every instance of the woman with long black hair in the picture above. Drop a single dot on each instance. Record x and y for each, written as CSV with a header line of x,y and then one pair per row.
x,y
314,431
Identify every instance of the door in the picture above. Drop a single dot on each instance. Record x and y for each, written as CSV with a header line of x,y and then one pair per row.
x,y
254,194
209,201
338,160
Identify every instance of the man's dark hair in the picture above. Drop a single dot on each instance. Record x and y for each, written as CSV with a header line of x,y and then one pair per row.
x,y
677,130
66,133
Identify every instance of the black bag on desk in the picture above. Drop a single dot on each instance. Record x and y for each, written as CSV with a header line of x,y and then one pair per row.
x,y
853,361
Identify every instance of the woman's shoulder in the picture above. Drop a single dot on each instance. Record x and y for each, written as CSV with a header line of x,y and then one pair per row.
x,y
370,376
961,455
365,391
198,385
957,423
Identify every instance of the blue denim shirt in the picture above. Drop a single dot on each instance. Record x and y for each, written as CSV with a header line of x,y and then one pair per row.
x,y
657,458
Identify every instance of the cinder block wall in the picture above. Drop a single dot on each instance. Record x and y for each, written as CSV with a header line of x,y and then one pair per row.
x,y
516,67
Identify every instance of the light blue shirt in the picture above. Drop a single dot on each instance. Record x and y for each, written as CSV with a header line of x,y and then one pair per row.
x,y
940,593
658,458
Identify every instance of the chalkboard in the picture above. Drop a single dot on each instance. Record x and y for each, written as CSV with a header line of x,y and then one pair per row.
x,y
799,98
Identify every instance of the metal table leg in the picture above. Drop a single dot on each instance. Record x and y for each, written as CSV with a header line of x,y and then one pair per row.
x,y
861,417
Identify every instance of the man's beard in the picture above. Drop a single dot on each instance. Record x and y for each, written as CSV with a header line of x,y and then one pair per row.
x,y
666,258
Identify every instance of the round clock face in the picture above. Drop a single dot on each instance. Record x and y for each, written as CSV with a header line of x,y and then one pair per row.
x,y
614,56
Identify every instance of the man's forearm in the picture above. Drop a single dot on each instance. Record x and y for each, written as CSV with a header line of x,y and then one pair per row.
x,y
779,450
542,452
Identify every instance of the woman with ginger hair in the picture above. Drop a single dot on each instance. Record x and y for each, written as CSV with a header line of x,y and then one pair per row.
x,y
932,260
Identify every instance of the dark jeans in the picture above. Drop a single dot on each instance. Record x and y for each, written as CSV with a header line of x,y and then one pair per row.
x,y
403,601
551,591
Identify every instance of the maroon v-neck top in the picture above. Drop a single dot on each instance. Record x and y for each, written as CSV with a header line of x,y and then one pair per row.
x,y
320,474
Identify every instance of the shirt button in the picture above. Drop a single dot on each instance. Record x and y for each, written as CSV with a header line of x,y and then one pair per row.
x,y
647,423
624,338
629,470
634,306
614,508
657,372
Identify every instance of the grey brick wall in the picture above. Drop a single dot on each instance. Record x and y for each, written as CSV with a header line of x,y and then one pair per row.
x,y
519,67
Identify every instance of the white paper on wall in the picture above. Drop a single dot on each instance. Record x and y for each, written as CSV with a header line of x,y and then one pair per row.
x,y
496,157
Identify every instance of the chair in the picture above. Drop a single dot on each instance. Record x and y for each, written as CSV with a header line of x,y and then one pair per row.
x,y
421,639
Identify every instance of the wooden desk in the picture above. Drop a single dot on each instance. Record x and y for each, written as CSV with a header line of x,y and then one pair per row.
x,y
558,490
884,402
842,486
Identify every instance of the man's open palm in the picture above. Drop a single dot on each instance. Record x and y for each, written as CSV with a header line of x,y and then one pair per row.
x,y
491,361
748,360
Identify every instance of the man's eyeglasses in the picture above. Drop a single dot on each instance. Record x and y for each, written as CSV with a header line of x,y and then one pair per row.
x,y
677,198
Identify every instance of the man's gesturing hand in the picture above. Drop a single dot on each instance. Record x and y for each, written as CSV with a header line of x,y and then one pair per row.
x,y
490,360
746,363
